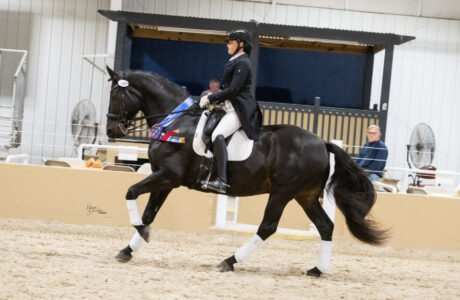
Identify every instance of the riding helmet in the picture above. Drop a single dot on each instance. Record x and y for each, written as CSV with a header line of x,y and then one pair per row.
x,y
241,35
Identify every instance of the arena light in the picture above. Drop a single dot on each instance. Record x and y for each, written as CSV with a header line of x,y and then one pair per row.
x,y
190,30
326,41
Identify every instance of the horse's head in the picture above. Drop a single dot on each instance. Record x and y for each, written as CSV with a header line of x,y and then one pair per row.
x,y
125,103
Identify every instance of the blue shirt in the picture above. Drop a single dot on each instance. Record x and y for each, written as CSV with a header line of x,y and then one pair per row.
x,y
373,157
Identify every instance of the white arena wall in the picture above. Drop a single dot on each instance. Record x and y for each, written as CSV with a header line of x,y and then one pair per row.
x,y
56,33
425,79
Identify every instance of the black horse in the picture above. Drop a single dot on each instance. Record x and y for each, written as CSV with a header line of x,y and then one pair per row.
x,y
287,162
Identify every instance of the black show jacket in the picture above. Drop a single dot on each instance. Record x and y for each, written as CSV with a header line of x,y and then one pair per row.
x,y
237,80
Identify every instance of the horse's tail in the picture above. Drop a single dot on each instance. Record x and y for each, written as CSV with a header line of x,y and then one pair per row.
x,y
355,196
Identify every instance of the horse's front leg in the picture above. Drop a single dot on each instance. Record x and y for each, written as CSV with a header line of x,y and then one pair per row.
x,y
155,182
154,204
159,187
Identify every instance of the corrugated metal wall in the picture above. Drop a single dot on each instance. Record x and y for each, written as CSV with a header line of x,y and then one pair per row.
x,y
426,72
56,33
425,84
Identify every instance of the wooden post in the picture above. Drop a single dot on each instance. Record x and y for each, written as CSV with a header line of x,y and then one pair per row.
x,y
221,211
316,114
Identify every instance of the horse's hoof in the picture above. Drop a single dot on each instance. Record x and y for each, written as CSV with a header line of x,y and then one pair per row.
x,y
123,257
225,267
144,232
314,272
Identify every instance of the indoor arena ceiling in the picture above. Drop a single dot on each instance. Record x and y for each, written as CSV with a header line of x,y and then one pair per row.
x,y
443,9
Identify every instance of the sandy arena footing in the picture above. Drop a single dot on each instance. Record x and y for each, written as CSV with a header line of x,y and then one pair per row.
x,y
53,260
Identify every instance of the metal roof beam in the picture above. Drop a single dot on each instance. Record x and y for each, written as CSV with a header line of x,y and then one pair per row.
x,y
360,37
174,21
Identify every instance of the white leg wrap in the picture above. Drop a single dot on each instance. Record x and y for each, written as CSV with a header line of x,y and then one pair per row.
x,y
325,256
136,241
133,211
244,251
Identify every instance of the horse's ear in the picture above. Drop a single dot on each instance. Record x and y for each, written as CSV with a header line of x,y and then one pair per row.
x,y
113,75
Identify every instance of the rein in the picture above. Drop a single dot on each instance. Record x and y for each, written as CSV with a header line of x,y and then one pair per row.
x,y
133,129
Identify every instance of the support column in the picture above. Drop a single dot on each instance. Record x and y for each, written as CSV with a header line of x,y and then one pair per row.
x,y
368,77
123,47
386,82
254,59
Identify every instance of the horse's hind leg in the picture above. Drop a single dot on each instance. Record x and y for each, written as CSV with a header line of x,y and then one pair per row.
x,y
273,211
325,227
154,204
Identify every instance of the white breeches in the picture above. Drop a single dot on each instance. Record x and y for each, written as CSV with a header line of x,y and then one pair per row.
x,y
229,124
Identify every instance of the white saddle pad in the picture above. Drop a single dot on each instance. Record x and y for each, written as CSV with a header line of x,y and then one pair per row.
x,y
239,148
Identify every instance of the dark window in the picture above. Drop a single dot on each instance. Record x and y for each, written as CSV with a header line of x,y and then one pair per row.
x,y
290,76
295,76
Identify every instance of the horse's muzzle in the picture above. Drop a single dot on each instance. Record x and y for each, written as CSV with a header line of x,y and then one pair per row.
x,y
115,129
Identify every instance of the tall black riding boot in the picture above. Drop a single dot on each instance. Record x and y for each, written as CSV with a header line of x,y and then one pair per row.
x,y
220,153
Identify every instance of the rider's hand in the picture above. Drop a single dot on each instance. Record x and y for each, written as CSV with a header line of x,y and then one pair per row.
x,y
204,101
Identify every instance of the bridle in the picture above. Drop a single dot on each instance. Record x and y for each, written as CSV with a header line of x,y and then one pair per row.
x,y
122,116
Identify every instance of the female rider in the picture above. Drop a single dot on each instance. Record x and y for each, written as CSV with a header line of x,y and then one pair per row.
x,y
241,108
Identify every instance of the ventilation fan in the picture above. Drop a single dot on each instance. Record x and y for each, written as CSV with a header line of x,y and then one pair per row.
x,y
84,126
421,151
422,145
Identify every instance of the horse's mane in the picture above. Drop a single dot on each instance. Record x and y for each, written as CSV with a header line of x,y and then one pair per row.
x,y
177,91
170,86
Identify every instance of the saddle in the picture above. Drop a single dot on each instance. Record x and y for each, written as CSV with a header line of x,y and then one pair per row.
x,y
239,146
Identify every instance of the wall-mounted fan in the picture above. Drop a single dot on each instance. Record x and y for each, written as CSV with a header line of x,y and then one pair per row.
x,y
420,151
83,123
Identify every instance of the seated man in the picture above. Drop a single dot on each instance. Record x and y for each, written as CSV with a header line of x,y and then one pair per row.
x,y
373,155
214,87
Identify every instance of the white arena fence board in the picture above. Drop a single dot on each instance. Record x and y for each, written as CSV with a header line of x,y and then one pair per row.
x,y
445,182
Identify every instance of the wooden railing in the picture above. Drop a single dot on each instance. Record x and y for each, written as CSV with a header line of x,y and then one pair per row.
x,y
329,123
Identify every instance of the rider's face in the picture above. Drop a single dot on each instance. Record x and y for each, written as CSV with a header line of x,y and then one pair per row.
x,y
231,47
